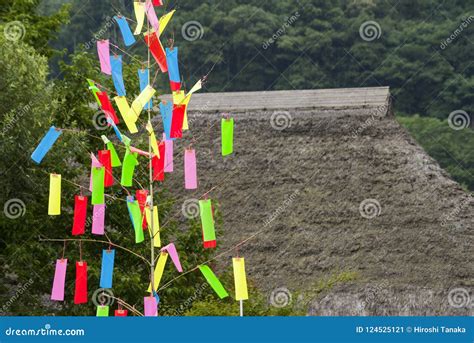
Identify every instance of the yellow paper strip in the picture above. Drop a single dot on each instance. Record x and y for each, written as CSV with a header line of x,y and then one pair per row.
x,y
54,207
156,225
164,20
139,8
160,267
197,86
240,279
154,144
185,119
124,110
140,102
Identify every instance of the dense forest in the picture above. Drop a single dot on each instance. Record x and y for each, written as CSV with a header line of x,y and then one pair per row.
x,y
422,49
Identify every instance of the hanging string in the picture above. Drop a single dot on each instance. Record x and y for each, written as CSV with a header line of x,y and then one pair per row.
x,y
64,251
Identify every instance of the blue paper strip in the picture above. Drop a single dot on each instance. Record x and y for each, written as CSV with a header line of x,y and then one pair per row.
x,y
107,270
166,115
117,131
172,62
144,81
117,77
130,201
45,144
127,35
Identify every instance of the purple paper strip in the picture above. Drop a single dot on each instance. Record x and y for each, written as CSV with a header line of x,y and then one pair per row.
x,y
98,219
168,154
190,173
151,307
151,15
57,292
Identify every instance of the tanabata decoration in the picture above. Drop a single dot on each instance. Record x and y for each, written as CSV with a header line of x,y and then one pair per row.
x,y
140,101
158,164
156,225
168,154
213,281
117,77
240,279
177,121
140,152
173,68
54,206
160,267
80,214
98,174
98,219
171,250
125,112
156,49
141,196
113,155
157,2
128,168
207,222
151,15
139,9
144,80
107,269
180,99
102,311
190,170
107,107
153,142
57,293
94,163
136,218
45,144
80,291
106,160
93,88
127,36
166,110
164,20
116,130
121,313
227,136
151,306
104,56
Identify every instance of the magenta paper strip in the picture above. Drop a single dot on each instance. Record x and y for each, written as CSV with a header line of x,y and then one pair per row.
x,y
168,154
151,15
171,249
98,219
190,173
59,279
151,307
104,56
95,163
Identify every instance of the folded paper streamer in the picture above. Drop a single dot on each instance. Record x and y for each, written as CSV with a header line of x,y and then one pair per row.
x,y
141,196
102,311
127,36
156,225
93,88
45,144
156,49
113,155
144,79
151,306
117,76
177,121
106,160
158,164
180,99
136,218
54,206
171,250
166,110
240,279
207,222
140,152
121,313
107,108
94,163
160,267
104,56
140,101
227,136
213,281
80,214
98,174
128,168
117,131
164,20
197,86
151,15
57,293
153,142
98,219
107,269
124,110
139,9
190,172
80,291
168,154
173,68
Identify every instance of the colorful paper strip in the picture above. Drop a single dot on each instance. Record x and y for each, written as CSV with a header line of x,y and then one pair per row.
x,y
139,9
107,270
54,206
151,15
160,267
158,164
168,154
151,307
45,144
156,49
117,76
102,311
121,313
213,281
140,101
240,279
80,215
80,291
113,155
173,66
98,175
104,56
171,249
177,121
57,293
166,110
207,220
227,136
127,36
144,80
136,218
98,219
141,196
106,160
153,142
164,20
156,225
124,110
107,107
128,168
190,171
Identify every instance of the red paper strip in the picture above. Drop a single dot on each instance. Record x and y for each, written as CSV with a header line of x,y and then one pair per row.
x,y
107,106
175,86
141,195
157,2
121,313
106,161
80,214
158,164
80,292
177,121
156,49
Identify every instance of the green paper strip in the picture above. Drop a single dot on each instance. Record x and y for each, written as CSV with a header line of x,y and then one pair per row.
x,y
102,311
98,185
94,90
136,214
213,281
113,155
227,136
128,168
206,220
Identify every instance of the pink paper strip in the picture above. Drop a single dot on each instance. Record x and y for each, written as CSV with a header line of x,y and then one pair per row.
x,y
59,279
171,249
168,154
151,307
151,15
190,173
98,219
140,152
95,163
104,56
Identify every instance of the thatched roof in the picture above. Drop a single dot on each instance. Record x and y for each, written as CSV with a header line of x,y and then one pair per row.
x,y
304,163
